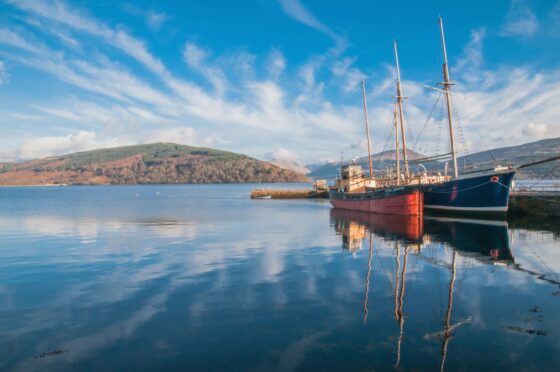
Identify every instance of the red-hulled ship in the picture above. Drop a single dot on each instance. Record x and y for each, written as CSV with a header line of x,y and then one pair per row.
x,y
398,194
354,192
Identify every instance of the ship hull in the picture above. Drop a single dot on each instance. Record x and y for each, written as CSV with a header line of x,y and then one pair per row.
x,y
397,200
482,193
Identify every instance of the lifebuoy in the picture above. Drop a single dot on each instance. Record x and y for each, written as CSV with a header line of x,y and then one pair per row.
x,y
494,179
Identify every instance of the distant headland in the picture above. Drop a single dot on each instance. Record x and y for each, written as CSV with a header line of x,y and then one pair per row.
x,y
157,163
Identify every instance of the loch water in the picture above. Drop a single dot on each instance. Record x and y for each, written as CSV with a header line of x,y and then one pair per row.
x,y
200,277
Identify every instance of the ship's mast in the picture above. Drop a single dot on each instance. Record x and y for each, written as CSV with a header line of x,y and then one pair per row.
x,y
367,130
400,98
446,86
396,119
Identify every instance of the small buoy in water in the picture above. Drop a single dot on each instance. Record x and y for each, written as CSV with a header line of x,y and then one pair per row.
x,y
157,193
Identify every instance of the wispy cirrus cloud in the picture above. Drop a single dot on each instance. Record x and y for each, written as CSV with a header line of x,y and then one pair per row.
x,y
197,58
3,74
256,103
124,93
154,19
520,20
276,63
296,10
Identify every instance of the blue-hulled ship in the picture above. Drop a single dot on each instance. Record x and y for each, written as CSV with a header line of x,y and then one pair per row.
x,y
484,192
481,192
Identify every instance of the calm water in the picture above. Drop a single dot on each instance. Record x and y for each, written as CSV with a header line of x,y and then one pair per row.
x,y
202,277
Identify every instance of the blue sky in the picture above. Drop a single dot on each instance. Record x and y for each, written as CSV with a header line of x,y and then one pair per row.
x,y
271,78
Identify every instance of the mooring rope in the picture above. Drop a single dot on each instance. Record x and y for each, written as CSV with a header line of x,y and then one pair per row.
x,y
469,188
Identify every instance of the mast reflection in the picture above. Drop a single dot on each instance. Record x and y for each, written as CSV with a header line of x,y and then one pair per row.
x,y
485,241
399,297
367,281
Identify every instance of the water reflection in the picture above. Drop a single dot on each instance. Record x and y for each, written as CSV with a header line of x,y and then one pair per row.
x,y
486,241
192,279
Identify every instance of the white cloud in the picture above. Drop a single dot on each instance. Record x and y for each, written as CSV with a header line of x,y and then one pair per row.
x,y
154,19
350,76
184,136
520,20
287,159
13,39
58,12
472,52
243,98
48,146
3,74
540,130
22,116
196,58
276,63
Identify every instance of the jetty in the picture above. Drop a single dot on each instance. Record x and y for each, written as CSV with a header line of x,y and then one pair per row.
x,y
319,191
289,194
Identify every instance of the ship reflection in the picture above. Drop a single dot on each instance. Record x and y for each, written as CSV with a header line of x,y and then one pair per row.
x,y
352,226
485,241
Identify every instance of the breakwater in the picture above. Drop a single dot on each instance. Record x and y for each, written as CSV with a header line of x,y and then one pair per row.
x,y
535,203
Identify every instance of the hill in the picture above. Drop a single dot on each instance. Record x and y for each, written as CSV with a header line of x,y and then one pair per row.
x,y
157,163
513,155
4,165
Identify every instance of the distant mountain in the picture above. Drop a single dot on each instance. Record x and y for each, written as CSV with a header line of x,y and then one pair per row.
x,y
380,160
289,164
156,163
522,154
514,155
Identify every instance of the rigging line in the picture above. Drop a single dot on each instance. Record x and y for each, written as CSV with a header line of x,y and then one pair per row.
x,y
388,138
380,261
427,121
546,175
543,262
462,138
430,300
484,144
410,131
439,129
